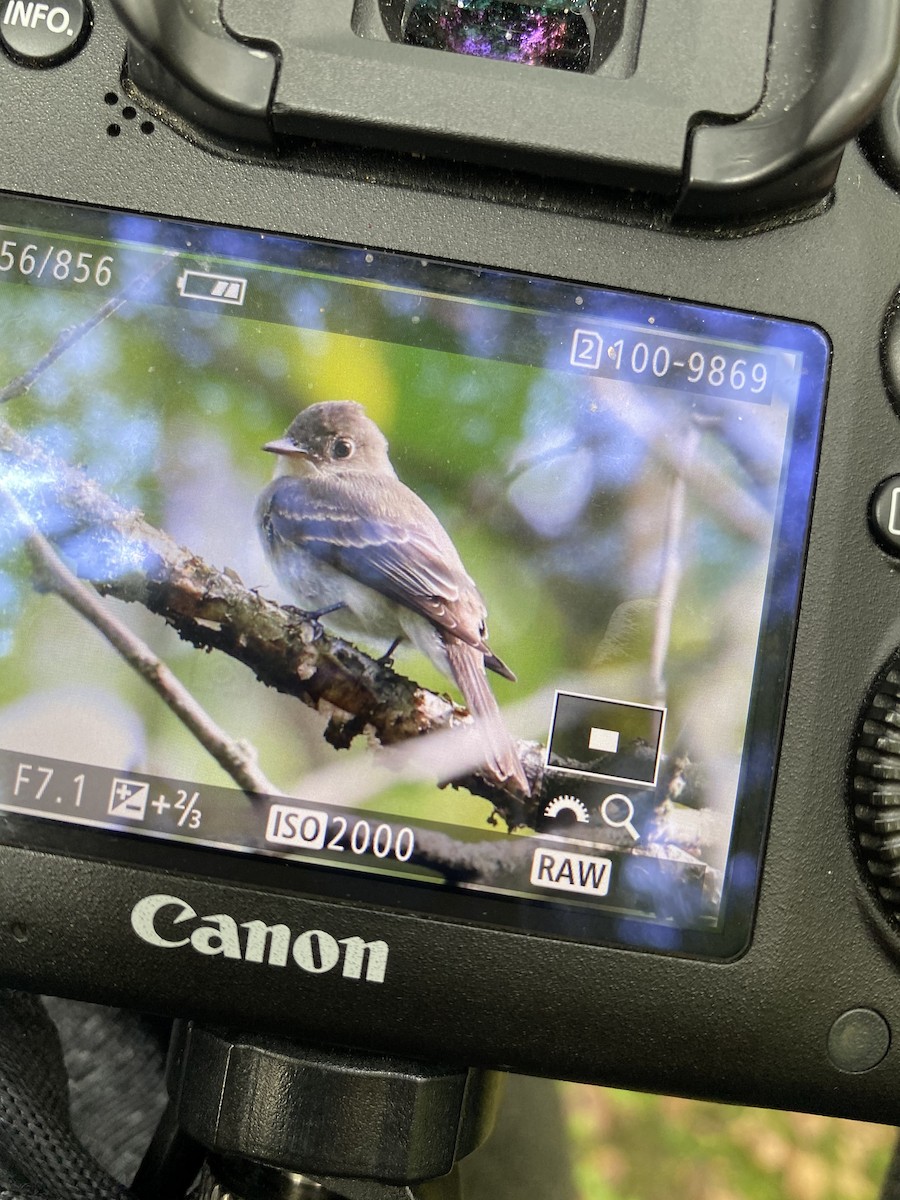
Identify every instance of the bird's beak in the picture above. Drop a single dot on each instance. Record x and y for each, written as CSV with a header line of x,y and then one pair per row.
x,y
286,447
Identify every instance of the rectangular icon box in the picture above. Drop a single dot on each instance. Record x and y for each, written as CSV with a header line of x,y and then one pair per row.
x,y
292,826
128,798
604,738
220,289
587,349
587,874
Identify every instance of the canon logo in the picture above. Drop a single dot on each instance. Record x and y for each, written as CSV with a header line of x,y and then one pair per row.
x,y
163,921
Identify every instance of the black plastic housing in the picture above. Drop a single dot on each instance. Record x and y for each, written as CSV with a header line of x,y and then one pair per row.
x,y
755,1030
722,106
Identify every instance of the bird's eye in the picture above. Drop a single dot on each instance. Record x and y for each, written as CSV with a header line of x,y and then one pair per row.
x,y
342,448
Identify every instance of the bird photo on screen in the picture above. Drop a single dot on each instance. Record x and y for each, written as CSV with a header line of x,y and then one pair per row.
x,y
353,544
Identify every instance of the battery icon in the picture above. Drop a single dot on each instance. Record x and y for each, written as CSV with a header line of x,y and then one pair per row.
x,y
220,289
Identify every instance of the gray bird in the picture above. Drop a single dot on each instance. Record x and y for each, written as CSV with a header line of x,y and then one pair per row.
x,y
354,544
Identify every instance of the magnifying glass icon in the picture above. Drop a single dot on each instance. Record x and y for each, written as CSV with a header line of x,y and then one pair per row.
x,y
617,810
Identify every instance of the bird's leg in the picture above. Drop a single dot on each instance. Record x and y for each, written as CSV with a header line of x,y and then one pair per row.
x,y
317,614
387,659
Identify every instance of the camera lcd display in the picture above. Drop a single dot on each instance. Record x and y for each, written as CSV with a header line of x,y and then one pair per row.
x,y
447,589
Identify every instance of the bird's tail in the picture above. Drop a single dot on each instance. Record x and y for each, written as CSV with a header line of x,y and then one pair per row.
x,y
467,664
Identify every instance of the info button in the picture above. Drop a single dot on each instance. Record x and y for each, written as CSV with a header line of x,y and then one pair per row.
x,y
42,35
605,738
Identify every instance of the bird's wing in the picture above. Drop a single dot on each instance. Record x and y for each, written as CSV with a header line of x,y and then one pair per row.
x,y
406,556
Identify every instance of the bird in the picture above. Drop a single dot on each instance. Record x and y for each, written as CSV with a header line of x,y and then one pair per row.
x,y
353,545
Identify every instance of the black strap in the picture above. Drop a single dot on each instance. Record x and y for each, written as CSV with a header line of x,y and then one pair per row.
x,y
81,1094
40,1156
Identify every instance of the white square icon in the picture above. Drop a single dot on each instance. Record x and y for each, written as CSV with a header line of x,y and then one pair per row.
x,y
587,349
606,741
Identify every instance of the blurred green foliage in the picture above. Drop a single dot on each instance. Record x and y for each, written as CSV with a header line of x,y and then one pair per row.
x,y
631,1146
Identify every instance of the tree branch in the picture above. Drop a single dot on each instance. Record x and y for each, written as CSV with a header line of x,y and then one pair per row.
x,y
125,556
672,568
236,758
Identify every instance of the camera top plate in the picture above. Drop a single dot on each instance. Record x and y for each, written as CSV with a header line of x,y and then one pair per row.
x,y
720,107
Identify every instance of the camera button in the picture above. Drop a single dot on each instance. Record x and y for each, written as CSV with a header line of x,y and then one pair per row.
x,y
884,515
858,1040
890,351
42,35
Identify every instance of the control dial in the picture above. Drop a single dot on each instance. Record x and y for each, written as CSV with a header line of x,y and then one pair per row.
x,y
876,789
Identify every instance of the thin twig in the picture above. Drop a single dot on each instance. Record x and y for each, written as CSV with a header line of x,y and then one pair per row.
x,y
734,506
235,758
670,576
20,385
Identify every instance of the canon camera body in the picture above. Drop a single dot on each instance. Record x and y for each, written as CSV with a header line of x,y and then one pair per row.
x,y
544,716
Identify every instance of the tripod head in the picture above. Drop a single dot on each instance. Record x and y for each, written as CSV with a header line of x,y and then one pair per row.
x,y
277,1119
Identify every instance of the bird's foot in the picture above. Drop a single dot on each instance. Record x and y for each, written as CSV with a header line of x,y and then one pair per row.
x,y
387,659
315,615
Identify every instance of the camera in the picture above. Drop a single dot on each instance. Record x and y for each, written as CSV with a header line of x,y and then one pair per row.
x,y
535,710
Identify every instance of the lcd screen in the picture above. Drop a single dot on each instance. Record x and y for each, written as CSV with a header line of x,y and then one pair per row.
x,y
452,590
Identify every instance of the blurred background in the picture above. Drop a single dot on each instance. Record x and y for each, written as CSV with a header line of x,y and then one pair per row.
x,y
631,1146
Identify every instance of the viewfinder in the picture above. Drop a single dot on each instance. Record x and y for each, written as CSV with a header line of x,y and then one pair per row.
x,y
568,35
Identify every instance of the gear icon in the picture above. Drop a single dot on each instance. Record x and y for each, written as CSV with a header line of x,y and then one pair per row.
x,y
570,804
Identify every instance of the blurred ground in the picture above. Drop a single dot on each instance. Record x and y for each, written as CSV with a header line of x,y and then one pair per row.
x,y
628,1146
